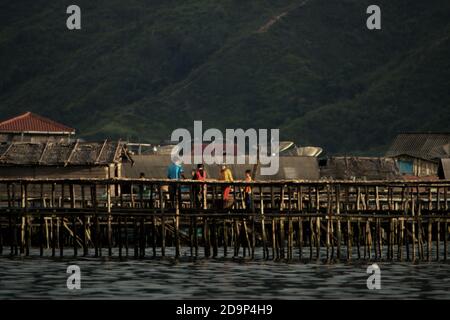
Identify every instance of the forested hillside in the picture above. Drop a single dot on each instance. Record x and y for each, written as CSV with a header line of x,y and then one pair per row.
x,y
139,69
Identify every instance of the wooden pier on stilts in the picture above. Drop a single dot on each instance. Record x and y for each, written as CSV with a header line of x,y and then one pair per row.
x,y
306,220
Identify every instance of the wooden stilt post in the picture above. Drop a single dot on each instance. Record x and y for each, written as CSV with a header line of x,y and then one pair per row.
x,y
338,213
349,239
391,237
41,235
206,237
387,235
142,242
379,238
318,238
445,239
317,222
438,237
419,232
119,234
27,237
195,236
153,193
311,237
332,236
253,234
60,223
281,221
358,239
368,238
225,237
191,237
85,236
413,227
10,226
1,240
300,238
247,237
401,240
263,224
136,237
177,221
290,238
274,251
53,221
214,238
126,235
74,238
429,239
327,240
109,230
282,239
413,242
163,223
22,218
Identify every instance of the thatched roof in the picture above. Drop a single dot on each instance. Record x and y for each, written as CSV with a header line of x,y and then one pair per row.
x,y
290,167
360,168
444,169
428,146
58,153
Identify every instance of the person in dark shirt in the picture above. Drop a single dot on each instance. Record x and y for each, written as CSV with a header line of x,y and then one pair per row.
x,y
248,191
200,191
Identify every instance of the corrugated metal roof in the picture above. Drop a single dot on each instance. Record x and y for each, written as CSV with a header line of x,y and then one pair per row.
x,y
57,153
444,169
155,166
428,146
32,122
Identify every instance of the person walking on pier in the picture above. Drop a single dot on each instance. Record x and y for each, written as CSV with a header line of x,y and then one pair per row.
x,y
248,191
175,171
200,194
226,175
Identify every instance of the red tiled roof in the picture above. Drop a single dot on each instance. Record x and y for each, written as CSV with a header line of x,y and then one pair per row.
x,y
33,122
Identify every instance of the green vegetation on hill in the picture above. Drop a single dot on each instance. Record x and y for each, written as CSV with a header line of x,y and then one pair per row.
x,y
139,69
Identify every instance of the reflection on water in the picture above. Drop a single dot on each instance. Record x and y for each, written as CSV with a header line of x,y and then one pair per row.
x,y
110,278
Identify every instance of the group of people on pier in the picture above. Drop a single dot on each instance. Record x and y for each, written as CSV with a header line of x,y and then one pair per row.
x,y
175,171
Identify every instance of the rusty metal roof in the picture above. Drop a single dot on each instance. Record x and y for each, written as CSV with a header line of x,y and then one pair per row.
x,y
428,146
30,122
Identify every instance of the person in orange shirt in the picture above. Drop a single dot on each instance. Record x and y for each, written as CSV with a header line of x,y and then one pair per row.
x,y
226,175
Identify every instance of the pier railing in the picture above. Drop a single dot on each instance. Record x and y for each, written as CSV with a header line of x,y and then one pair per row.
x,y
364,218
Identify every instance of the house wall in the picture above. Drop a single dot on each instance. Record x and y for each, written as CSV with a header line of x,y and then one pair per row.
x,y
34,138
420,167
49,172
444,169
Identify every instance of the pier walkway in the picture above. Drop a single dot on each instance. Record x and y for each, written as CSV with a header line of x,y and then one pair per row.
x,y
333,220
